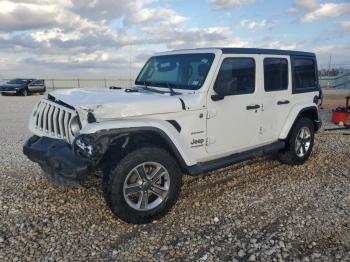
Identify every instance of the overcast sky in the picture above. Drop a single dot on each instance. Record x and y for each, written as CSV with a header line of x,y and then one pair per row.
x,y
99,38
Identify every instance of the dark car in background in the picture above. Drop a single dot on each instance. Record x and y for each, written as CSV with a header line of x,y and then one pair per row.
x,y
23,87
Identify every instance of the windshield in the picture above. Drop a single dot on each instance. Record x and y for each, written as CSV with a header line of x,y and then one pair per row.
x,y
187,71
17,81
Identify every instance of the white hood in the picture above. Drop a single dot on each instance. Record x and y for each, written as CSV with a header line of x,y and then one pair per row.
x,y
112,104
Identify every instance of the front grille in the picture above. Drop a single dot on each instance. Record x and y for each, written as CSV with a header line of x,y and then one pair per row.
x,y
52,120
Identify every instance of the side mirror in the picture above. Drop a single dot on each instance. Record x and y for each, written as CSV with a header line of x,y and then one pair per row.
x,y
220,94
217,97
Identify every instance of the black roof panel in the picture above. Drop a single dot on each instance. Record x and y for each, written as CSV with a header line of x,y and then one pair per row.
x,y
235,50
264,51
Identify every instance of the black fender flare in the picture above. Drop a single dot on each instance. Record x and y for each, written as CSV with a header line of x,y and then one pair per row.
x,y
103,139
314,116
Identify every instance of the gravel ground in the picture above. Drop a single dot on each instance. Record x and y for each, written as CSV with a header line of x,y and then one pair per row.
x,y
259,210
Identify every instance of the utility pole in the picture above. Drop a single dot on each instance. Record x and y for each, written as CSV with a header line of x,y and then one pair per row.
x,y
330,64
130,64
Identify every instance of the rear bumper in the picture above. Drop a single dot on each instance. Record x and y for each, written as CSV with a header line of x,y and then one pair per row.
x,y
58,161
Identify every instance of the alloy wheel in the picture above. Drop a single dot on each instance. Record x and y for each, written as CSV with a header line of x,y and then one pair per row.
x,y
146,186
303,141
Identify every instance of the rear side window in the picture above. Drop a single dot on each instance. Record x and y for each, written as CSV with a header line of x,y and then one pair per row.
x,y
236,76
275,74
305,77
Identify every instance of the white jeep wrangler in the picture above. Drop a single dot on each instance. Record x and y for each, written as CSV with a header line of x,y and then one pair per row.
x,y
190,112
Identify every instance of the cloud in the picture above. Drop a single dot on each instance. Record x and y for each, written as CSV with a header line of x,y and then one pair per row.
x,y
21,16
222,4
157,15
324,49
192,37
282,45
312,10
302,5
327,10
255,25
80,34
345,25
100,37
107,9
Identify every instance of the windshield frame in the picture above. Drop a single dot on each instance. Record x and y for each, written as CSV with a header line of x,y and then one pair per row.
x,y
164,84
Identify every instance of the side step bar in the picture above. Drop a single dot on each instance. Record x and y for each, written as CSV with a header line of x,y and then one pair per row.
x,y
205,167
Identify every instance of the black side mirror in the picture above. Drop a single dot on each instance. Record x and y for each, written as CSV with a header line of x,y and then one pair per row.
x,y
217,97
220,94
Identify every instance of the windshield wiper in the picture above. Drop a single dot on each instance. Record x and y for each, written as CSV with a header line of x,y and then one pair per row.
x,y
170,86
146,87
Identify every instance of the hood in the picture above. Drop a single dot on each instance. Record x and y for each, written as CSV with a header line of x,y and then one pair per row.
x,y
112,104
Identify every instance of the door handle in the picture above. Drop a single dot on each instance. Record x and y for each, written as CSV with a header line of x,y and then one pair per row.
x,y
283,102
253,107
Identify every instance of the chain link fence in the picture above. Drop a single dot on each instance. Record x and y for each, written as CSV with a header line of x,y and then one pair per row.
x,y
339,81
65,83
86,83
336,82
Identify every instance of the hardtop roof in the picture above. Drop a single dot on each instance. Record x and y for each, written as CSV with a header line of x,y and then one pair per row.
x,y
234,50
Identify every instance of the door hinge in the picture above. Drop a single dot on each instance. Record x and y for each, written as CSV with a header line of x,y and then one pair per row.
x,y
210,141
211,113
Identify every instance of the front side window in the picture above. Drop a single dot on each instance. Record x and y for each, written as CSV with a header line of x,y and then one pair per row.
x,y
275,74
236,77
186,71
304,74
38,82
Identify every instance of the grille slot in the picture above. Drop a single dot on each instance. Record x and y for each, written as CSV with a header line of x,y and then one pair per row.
x,y
52,120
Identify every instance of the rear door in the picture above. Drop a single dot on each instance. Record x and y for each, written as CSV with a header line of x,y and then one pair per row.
x,y
276,95
233,122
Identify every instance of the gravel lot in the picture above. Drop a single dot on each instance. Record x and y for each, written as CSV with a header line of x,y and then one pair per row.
x,y
259,210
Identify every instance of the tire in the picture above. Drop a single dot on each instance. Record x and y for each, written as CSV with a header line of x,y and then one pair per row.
x,y
298,149
24,92
122,179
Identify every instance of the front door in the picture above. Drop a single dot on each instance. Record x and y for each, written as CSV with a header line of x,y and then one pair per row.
x,y
36,86
233,122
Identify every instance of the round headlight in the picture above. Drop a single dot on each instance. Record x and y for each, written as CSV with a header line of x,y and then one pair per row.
x,y
75,125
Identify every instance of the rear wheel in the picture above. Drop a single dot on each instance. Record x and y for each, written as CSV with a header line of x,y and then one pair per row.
x,y
300,143
143,186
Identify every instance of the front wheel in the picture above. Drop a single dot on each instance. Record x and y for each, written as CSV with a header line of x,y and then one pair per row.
x,y
300,143
24,92
143,186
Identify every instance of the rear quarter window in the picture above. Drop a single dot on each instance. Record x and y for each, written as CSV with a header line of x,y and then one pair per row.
x,y
304,75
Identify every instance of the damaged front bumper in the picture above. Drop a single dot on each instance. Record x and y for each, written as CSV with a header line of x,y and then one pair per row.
x,y
58,161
